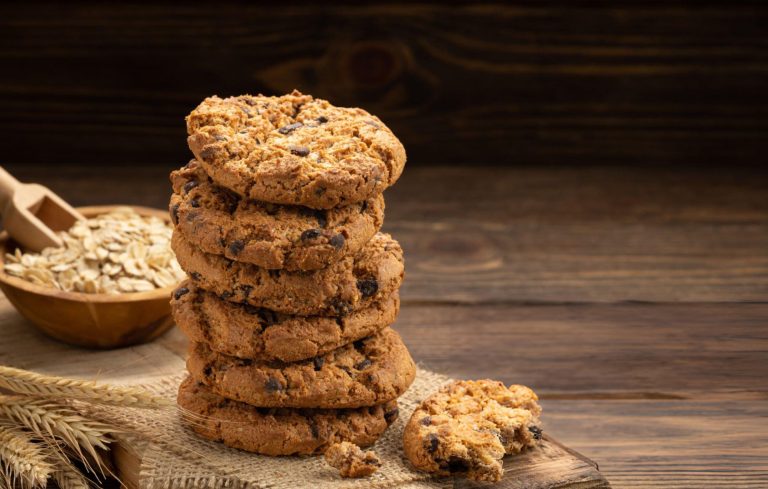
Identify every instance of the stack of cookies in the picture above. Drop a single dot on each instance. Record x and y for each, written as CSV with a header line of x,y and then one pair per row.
x,y
291,287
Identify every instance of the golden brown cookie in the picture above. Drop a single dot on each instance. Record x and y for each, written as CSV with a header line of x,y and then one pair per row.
x,y
351,460
468,426
352,283
275,431
245,331
268,235
294,149
371,371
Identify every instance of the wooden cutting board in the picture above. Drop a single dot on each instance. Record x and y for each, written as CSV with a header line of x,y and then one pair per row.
x,y
552,465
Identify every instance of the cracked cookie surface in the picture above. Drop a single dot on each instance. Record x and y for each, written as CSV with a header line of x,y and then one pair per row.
x,y
294,149
280,431
351,283
467,427
268,235
370,371
245,331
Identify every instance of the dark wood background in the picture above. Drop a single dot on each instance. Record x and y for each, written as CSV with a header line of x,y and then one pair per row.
x,y
631,82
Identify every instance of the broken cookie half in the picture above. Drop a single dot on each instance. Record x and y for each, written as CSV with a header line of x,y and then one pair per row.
x,y
467,427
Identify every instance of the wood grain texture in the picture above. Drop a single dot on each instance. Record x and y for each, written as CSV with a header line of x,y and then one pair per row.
x,y
540,82
623,351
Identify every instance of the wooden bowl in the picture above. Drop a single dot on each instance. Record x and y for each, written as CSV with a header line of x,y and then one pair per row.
x,y
90,320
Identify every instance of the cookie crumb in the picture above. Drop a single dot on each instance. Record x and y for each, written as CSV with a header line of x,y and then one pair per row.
x,y
351,460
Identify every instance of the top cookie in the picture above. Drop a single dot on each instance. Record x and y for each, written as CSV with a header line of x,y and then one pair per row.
x,y
294,149
467,427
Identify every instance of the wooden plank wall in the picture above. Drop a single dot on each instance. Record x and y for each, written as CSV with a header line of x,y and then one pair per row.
x,y
535,82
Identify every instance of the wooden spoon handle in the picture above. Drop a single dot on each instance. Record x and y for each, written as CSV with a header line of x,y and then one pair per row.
x,y
8,186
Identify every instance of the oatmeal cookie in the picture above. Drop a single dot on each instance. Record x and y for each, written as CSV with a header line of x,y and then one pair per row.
x,y
268,235
370,371
352,283
294,149
245,331
468,426
280,431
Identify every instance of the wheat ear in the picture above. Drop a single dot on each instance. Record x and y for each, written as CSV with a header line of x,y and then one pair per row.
x,y
51,422
34,384
67,476
24,461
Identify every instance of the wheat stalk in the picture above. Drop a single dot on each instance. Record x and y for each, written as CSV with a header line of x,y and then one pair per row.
x,y
49,422
34,384
24,461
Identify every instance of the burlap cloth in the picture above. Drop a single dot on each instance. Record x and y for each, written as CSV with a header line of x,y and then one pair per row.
x,y
175,458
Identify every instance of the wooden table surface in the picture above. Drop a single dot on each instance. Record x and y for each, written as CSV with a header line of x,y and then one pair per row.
x,y
634,300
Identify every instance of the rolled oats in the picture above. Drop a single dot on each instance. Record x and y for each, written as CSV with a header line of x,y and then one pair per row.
x,y
113,253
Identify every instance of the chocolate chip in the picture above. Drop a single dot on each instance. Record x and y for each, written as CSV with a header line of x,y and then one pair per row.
x,y
391,416
175,213
313,426
322,119
273,385
195,275
190,185
340,307
536,432
337,241
426,420
319,191
180,292
299,150
289,128
320,215
368,286
310,234
267,317
236,246
195,202
359,344
363,365
457,465
208,154
433,442
230,199
318,362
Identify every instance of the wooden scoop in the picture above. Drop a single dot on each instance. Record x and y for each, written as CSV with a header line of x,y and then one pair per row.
x,y
32,213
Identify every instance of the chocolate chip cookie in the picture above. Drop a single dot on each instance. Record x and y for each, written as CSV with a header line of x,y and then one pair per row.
x,y
268,235
367,372
468,426
294,149
352,283
275,431
245,331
